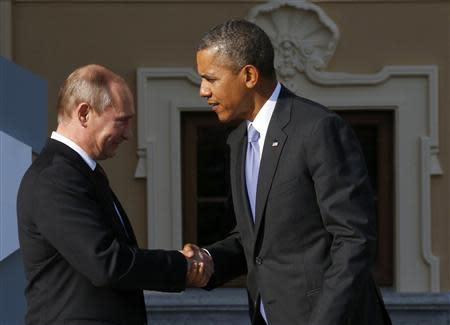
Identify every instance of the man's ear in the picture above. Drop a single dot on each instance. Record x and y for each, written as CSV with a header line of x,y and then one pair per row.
x,y
84,111
251,75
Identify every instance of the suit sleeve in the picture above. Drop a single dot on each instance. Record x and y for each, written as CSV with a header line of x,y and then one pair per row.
x,y
71,220
344,194
229,259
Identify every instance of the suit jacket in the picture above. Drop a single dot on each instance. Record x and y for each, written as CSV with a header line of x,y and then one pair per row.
x,y
83,266
308,255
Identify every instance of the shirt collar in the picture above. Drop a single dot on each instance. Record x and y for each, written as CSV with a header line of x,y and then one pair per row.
x,y
262,119
59,137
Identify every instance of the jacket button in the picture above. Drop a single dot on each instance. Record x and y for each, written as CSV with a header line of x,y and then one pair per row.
x,y
259,260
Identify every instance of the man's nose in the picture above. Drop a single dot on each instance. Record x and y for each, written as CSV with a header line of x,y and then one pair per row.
x,y
127,133
204,90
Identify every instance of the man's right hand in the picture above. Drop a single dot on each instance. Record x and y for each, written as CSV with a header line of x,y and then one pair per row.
x,y
200,266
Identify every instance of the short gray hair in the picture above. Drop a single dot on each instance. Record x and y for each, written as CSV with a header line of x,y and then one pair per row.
x,y
90,84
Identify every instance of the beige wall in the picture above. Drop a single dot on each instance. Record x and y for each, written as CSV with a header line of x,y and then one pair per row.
x,y
51,38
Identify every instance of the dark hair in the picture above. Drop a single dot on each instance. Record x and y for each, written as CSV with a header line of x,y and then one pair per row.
x,y
243,43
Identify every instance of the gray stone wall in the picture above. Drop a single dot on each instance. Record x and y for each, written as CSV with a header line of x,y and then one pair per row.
x,y
229,306
197,306
418,308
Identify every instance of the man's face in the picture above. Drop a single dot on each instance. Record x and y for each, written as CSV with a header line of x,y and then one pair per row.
x,y
113,125
224,88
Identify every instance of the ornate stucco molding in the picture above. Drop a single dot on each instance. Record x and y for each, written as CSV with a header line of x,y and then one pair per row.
x,y
302,34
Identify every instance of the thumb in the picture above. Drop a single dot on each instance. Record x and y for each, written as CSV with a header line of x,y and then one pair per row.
x,y
188,251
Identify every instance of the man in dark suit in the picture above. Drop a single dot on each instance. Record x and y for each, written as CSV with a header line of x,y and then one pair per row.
x,y
304,208
82,262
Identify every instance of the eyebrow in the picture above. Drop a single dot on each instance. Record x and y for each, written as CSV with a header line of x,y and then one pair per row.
x,y
208,76
124,117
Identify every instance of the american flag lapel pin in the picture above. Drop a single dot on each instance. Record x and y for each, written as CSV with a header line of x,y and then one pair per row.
x,y
275,143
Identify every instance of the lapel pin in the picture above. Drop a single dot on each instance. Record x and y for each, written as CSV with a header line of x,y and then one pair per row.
x,y
275,143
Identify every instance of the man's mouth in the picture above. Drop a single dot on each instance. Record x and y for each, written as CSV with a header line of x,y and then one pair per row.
x,y
214,106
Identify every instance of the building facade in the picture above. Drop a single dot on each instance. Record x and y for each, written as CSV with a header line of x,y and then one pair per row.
x,y
384,65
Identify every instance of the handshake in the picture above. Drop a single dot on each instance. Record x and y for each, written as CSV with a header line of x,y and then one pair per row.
x,y
200,266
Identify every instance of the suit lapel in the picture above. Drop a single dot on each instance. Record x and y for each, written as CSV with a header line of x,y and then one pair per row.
x,y
64,150
102,187
273,147
269,162
109,203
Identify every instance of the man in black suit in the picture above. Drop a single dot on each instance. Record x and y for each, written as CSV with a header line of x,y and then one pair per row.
x,y
82,262
304,208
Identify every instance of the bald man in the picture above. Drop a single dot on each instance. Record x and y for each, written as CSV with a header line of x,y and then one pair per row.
x,y
82,262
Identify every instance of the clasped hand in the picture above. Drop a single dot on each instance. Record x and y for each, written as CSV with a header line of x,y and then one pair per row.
x,y
200,266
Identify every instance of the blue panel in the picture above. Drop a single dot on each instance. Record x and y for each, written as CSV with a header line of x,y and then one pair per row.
x,y
12,287
15,158
23,105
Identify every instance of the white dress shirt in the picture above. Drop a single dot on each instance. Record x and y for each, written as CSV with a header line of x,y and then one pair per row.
x,y
262,119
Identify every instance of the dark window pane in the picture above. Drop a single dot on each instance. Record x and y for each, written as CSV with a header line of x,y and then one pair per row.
x,y
212,161
214,222
367,136
374,130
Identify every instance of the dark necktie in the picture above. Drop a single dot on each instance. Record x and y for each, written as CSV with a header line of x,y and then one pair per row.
x,y
100,172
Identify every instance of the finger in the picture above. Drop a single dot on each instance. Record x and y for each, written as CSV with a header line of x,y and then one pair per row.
x,y
204,281
201,268
209,266
192,274
204,274
186,254
196,279
194,268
